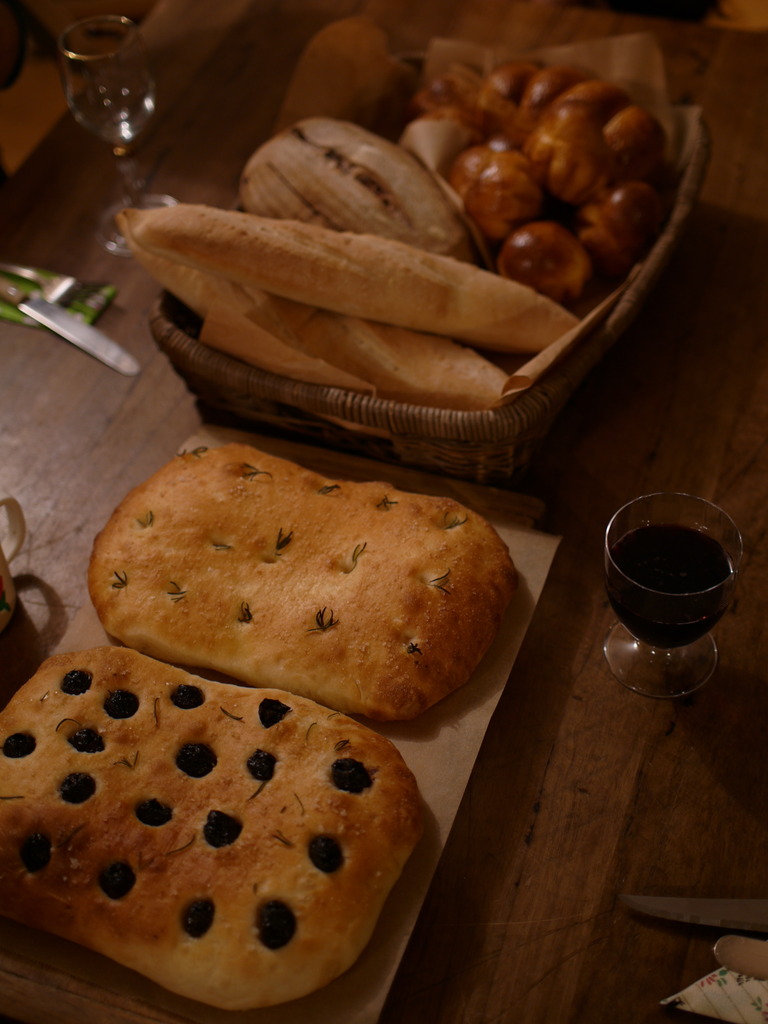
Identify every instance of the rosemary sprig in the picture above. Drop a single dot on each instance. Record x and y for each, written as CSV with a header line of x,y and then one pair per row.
x,y
177,594
281,838
412,648
440,581
251,472
452,523
126,762
196,452
68,839
73,720
148,519
246,615
256,792
236,718
386,503
121,580
19,797
180,849
283,540
298,801
310,727
329,488
359,549
341,744
219,546
323,623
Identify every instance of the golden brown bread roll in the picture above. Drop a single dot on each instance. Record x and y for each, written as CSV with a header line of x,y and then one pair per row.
x,y
457,87
548,257
543,87
497,188
637,140
498,98
570,157
616,227
598,99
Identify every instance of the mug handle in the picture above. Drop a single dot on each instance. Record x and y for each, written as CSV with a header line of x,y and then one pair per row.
x,y
17,526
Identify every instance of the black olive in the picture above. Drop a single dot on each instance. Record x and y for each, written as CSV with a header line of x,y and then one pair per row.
x,y
196,759
19,744
186,696
272,711
117,880
87,741
76,681
221,829
77,787
276,924
350,775
325,853
152,812
121,704
261,765
35,851
198,918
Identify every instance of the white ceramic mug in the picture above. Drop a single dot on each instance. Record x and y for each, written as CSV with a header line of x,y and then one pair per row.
x,y
11,543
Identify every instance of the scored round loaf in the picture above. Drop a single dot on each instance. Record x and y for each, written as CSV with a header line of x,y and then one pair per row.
x,y
341,176
361,596
235,846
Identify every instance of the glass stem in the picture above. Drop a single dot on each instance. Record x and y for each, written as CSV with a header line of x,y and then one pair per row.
x,y
132,185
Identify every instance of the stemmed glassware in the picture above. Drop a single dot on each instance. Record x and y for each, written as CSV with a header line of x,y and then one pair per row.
x,y
111,92
671,562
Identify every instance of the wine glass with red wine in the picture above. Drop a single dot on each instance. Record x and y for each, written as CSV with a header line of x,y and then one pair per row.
x,y
671,562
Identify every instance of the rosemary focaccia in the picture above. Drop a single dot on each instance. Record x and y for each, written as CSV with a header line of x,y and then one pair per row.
x,y
234,845
360,596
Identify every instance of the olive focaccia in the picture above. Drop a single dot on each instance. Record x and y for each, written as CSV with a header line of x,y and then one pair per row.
x,y
234,845
363,597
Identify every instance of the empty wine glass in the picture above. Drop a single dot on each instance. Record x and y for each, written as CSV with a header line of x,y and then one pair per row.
x,y
670,568
111,92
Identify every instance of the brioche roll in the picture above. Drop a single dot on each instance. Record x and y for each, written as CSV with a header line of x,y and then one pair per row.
x,y
497,187
547,257
616,228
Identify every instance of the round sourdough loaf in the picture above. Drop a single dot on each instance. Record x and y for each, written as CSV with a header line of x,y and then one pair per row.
x,y
338,175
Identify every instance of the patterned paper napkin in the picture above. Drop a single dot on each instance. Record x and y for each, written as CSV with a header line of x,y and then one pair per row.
x,y
725,995
87,302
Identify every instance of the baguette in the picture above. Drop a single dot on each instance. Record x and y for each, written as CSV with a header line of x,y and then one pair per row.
x,y
355,274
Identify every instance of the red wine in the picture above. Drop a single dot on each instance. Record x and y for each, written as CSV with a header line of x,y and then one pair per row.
x,y
673,585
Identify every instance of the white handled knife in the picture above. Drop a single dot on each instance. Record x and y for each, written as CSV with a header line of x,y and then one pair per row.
x,y
743,915
85,337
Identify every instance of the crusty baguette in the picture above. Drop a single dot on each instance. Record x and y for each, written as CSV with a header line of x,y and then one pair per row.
x,y
325,348
234,845
360,275
363,597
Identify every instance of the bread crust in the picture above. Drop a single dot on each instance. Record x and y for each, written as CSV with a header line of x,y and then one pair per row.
x,y
357,274
188,859
366,598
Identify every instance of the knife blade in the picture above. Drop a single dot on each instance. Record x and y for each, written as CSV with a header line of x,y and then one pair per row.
x,y
85,337
741,914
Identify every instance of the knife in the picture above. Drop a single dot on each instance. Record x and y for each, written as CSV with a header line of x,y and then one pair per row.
x,y
744,915
82,335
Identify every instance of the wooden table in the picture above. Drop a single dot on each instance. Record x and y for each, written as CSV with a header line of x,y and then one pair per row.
x,y
582,790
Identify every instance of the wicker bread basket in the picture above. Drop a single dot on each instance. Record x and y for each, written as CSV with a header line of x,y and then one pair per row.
x,y
491,446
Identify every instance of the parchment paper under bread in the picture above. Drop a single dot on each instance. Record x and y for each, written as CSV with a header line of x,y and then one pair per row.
x,y
440,747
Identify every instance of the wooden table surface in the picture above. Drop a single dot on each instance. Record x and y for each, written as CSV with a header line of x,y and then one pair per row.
x,y
582,790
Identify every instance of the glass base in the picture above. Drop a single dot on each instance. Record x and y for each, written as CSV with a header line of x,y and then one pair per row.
x,y
659,672
107,234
